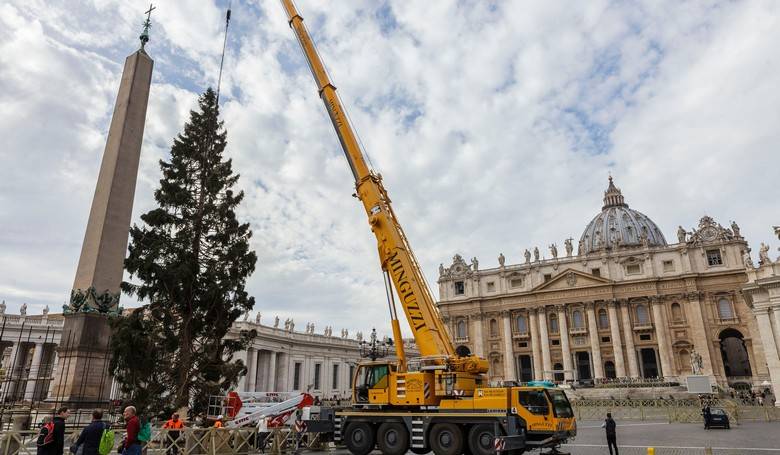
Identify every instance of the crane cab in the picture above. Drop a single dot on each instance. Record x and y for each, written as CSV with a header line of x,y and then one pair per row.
x,y
378,384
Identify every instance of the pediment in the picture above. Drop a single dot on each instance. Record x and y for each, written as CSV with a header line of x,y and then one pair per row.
x,y
569,279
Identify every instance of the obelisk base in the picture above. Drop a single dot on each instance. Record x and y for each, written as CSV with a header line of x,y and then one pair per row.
x,y
82,378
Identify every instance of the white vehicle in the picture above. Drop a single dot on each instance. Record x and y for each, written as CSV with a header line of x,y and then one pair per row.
x,y
266,410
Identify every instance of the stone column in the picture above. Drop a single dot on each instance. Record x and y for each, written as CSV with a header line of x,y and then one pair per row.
x,y
272,372
563,326
776,313
663,343
770,347
509,354
535,345
595,342
33,382
476,332
617,344
243,382
251,369
628,332
546,363
694,312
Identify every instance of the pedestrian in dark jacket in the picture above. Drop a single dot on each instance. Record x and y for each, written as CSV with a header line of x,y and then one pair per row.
x,y
89,439
59,431
610,427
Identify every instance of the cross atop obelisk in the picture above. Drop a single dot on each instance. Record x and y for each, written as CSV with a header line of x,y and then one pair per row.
x,y
147,25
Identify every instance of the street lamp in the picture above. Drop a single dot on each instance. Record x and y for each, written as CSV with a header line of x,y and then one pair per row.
x,y
374,348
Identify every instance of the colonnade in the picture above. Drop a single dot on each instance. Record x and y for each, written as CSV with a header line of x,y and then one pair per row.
x,y
611,340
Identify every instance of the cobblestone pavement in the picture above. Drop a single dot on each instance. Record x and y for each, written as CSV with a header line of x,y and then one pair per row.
x,y
679,438
752,438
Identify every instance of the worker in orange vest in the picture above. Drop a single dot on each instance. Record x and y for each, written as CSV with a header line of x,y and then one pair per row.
x,y
174,427
218,423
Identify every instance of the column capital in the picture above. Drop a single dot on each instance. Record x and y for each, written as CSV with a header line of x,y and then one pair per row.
x,y
560,308
613,303
475,317
694,295
654,299
506,313
589,304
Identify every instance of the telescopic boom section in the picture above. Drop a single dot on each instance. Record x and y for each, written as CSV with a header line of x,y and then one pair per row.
x,y
394,252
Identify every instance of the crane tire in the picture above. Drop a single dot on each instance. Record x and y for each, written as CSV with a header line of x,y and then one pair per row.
x,y
392,438
481,438
446,439
359,438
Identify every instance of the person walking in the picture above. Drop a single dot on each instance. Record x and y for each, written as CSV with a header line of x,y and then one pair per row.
x,y
174,426
707,413
610,426
89,439
58,444
133,427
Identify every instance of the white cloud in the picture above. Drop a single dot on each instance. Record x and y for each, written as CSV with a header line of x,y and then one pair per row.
x,y
494,125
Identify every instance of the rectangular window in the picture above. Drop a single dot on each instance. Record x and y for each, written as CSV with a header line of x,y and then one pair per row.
x,y
645,337
460,288
491,286
547,277
555,342
516,282
713,257
633,269
535,401
668,266
605,339
595,272
335,382
317,370
297,376
522,344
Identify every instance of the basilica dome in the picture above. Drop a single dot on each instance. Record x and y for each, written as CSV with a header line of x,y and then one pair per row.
x,y
618,226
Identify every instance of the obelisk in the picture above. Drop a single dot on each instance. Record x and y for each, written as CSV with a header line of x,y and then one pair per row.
x,y
82,377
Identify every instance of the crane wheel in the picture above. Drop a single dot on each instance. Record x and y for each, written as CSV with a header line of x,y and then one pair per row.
x,y
359,438
446,439
392,438
481,438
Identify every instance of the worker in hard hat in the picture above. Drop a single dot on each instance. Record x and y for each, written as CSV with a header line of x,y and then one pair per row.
x,y
218,423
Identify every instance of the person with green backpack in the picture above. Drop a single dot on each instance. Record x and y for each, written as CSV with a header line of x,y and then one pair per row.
x,y
97,438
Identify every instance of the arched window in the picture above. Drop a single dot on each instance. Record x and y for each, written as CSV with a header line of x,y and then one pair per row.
x,y
724,308
462,333
676,312
642,316
522,324
603,319
577,320
493,328
553,323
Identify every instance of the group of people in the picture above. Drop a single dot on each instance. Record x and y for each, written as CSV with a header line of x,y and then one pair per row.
x,y
51,437
97,437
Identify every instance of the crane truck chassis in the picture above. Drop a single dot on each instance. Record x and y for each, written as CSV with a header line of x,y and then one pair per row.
x,y
441,401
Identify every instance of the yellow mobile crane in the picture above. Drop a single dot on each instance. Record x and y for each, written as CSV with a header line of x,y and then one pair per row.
x,y
441,401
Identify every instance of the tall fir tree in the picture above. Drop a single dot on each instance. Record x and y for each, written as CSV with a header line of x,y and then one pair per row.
x,y
191,259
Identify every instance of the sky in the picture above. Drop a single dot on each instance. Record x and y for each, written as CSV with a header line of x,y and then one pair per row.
x,y
494,124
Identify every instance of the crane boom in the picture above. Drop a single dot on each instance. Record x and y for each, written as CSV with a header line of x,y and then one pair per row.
x,y
394,252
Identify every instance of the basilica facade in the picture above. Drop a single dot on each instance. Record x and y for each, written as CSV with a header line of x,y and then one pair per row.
x,y
625,304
